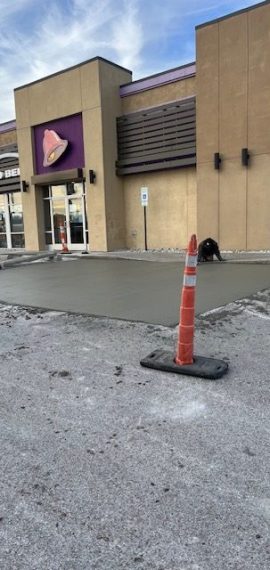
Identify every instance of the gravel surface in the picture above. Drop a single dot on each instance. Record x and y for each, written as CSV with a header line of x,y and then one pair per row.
x,y
109,466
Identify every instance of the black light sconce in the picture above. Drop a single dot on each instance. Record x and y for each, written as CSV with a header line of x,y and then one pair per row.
x,y
92,176
245,156
24,186
217,161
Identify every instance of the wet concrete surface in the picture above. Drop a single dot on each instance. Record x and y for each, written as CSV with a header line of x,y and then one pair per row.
x,y
127,289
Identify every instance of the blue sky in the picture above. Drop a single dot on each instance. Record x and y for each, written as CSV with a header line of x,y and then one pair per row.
x,y
39,37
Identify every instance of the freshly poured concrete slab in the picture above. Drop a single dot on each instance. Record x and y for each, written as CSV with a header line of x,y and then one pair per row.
x,y
127,289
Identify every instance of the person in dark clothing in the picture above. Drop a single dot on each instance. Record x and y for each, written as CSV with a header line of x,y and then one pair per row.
x,y
207,249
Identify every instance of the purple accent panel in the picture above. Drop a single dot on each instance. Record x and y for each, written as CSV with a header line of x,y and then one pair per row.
x,y
67,128
157,80
9,126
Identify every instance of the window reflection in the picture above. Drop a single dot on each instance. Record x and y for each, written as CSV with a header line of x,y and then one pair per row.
x,y
76,221
78,188
58,191
59,217
11,220
46,191
17,240
47,216
3,240
2,215
16,214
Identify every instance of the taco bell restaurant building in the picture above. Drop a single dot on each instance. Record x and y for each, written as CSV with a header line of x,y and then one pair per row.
x,y
88,143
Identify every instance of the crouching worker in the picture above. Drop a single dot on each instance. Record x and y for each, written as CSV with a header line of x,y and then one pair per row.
x,y
207,249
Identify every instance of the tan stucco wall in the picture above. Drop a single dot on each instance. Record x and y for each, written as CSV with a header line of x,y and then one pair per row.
x,y
171,210
9,137
83,89
105,205
34,240
158,95
233,112
110,79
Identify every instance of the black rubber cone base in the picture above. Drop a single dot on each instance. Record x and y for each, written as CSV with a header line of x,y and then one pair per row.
x,y
202,367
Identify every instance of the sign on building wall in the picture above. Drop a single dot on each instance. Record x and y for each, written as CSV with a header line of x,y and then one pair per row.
x,y
53,147
58,145
9,169
9,173
144,196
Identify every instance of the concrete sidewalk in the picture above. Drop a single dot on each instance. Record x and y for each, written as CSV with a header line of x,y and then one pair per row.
x,y
175,255
164,255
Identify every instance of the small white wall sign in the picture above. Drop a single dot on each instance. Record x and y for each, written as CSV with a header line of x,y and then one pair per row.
x,y
144,196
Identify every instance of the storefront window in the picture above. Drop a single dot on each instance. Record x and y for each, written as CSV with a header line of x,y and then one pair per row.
x,y
11,221
75,188
3,240
58,191
2,214
16,215
16,220
17,240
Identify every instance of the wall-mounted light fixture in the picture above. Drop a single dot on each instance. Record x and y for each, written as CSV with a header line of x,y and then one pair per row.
x,y
24,186
92,176
245,156
217,161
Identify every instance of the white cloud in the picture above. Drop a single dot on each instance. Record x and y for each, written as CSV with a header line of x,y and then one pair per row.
x,y
40,38
9,7
127,37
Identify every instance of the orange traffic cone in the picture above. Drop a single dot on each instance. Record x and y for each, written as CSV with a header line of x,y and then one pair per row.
x,y
187,309
184,362
63,240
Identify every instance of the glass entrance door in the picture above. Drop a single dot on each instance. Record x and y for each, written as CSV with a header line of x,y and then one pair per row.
x,y
58,207
76,221
64,205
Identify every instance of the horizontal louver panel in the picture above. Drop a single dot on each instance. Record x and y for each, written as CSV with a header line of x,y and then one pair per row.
x,y
10,185
158,138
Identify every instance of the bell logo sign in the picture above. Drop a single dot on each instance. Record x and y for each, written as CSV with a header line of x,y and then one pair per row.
x,y
53,147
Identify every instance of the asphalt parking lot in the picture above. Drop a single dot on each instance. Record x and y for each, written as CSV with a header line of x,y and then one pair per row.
x,y
128,289
106,465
